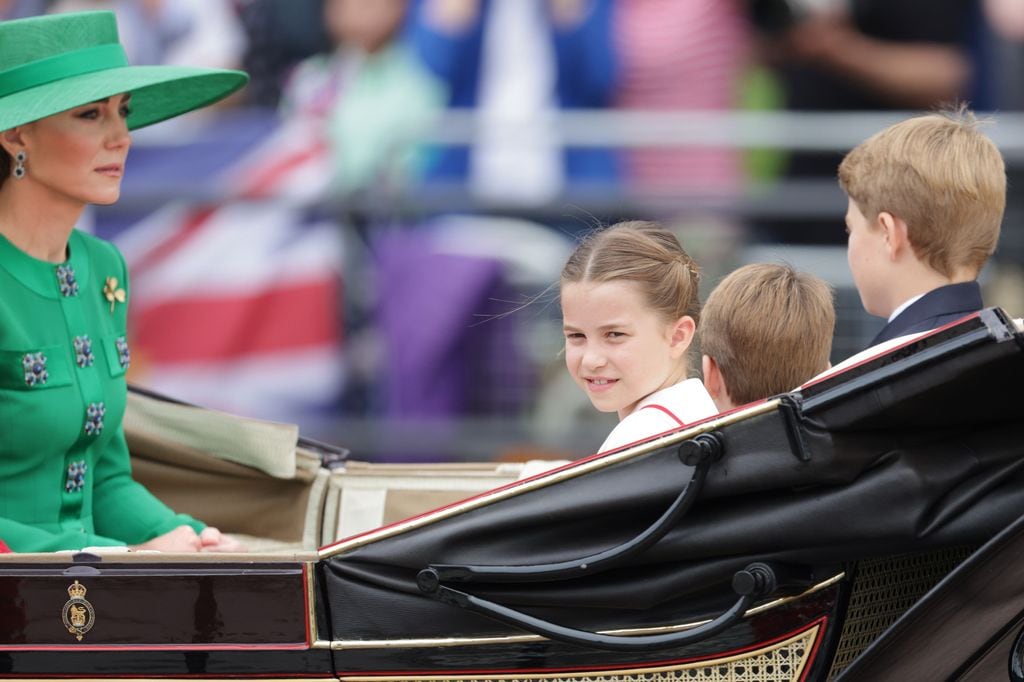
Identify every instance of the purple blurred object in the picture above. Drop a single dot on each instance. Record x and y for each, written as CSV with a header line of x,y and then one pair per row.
x,y
449,353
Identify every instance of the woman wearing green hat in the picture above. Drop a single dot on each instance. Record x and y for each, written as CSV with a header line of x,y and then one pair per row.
x,y
67,102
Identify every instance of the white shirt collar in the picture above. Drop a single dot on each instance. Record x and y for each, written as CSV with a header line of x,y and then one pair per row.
x,y
689,400
903,306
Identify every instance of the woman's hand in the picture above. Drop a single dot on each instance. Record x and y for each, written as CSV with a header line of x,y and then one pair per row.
x,y
181,539
212,540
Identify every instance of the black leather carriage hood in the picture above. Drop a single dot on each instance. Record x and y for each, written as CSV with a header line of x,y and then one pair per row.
x,y
918,449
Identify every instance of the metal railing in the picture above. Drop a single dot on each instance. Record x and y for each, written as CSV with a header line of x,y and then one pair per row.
x,y
780,199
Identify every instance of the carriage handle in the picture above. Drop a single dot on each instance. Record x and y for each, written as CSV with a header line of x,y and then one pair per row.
x,y
699,452
756,580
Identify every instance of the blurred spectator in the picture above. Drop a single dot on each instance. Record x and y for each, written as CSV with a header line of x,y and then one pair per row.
x,y
19,9
852,55
1006,17
516,61
371,93
1001,45
680,56
683,56
874,54
182,32
280,34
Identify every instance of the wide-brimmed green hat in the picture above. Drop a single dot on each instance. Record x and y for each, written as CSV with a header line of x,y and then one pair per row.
x,y
53,63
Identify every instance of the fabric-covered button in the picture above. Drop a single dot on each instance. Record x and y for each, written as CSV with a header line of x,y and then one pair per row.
x,y
34,365
83,351
76,476
124,356
94,419
66,280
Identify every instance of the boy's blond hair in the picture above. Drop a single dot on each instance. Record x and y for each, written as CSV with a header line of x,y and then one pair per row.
x,y
943,177
769,329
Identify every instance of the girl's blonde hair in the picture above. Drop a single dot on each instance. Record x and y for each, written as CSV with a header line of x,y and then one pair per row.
x,y
645,253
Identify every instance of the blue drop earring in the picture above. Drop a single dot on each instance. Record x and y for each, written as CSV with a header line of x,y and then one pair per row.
x,y
19,165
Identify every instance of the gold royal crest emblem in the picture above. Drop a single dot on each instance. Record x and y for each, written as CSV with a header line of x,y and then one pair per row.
x,y
78,615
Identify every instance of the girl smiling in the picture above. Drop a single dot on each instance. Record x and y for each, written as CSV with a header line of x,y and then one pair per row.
x,y
630,311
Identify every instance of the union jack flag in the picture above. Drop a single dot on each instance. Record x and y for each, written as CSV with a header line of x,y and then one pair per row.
x,y
236,304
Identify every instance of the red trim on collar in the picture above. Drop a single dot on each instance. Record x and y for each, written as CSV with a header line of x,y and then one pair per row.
x,y
666,411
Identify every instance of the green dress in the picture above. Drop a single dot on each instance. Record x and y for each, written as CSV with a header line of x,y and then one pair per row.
x,y
65,476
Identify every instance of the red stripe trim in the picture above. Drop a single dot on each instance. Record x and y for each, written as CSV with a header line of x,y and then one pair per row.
x,y
822,621
163,676
232,327
513,484
155,647
918,337
305,600
666,411
815,648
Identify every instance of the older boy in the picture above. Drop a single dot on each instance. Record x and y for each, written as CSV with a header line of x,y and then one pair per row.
x,y
764,330
926,199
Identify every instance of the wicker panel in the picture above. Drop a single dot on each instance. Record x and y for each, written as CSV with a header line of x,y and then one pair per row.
x,y
783,661
883,589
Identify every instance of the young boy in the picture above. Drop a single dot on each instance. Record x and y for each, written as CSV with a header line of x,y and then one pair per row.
x,y
926,199
764,330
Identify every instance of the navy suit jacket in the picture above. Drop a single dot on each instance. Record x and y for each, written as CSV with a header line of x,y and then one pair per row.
x,y
934,309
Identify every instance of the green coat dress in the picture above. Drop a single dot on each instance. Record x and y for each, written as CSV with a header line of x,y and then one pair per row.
x,y
65,476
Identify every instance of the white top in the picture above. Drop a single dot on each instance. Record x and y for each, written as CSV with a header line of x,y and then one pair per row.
x,y
683,403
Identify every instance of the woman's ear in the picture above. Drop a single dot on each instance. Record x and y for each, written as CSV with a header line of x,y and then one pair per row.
x,y
681,335
11,140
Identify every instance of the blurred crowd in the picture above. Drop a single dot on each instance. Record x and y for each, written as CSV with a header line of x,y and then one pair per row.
x,y
424,326
373,74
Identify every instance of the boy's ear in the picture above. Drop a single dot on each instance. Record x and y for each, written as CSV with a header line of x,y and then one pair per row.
x,y
712,377
681,335
714,383
897,238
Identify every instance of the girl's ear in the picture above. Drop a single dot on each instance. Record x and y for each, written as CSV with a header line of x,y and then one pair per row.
x,y
681,335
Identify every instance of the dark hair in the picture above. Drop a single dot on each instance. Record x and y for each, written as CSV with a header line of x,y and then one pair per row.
x,y
5,166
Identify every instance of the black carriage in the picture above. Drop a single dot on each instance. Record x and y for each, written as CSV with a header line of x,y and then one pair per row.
x,y
865,527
